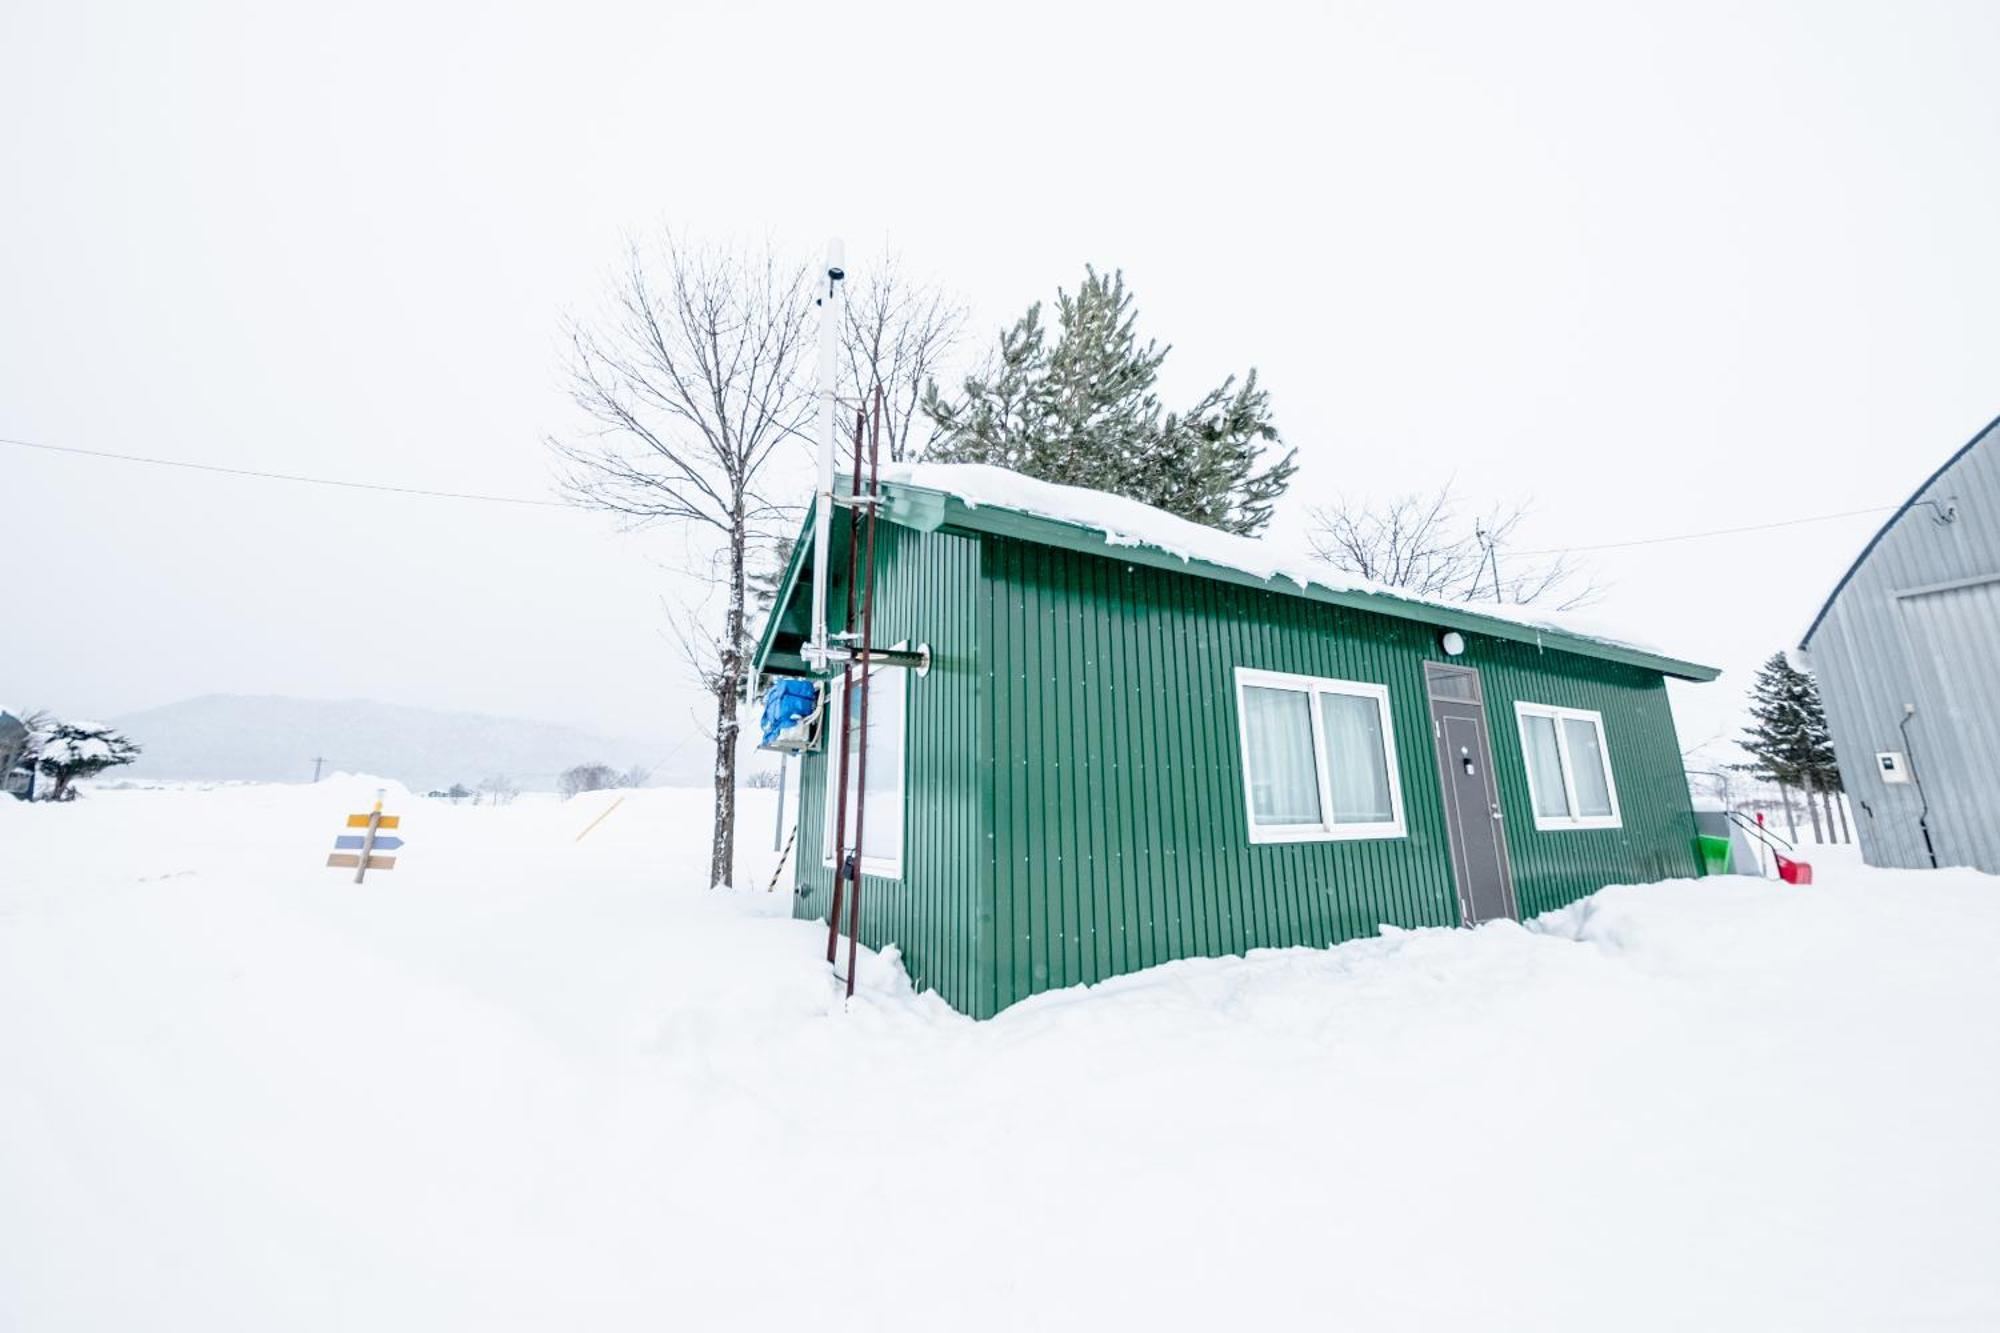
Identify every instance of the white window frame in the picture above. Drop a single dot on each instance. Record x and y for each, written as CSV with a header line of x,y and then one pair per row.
x,y
1556,823
879,867
1326,830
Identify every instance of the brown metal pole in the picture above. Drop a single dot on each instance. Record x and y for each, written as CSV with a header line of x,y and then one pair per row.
x,y
867,643
846,683
367,843
368,839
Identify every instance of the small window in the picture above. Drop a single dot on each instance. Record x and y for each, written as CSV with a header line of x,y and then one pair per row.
x,y
888,723
1319,758
1447,683
1569,769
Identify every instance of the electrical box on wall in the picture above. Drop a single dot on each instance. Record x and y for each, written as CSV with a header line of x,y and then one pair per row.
x,y
1892,766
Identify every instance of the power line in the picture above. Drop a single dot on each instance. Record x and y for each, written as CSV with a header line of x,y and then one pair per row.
x,y
283,476
1712,532
558,504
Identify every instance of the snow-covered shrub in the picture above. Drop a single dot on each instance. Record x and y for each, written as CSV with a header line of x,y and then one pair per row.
x,y
66,751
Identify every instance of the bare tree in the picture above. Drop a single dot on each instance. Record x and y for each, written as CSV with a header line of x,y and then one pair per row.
x,y
692,378
1422,543
498,790
586,777
899,334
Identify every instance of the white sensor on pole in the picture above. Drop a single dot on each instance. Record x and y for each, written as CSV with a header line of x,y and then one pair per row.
x,y
832,314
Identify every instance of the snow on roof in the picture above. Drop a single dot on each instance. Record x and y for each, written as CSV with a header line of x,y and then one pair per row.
x,y
1128,522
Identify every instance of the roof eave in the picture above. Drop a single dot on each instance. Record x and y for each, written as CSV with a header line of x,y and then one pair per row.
x,y
781,601
928,510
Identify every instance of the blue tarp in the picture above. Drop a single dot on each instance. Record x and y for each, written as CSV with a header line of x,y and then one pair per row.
x,y
787,705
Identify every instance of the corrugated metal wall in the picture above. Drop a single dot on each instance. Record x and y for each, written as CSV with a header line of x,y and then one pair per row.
x,y
1656,837
1075,783
1120,838
1918,622
927,590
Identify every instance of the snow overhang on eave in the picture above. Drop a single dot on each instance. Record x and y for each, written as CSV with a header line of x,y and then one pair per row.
x,y
927,510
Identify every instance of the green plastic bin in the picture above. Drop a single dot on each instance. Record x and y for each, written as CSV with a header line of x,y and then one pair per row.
x,y
1714,854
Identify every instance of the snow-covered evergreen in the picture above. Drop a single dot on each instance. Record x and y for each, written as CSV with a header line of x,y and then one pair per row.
x,y
1082,411
67,751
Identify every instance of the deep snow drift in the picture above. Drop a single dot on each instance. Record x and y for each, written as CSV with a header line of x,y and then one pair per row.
x,y
527,1082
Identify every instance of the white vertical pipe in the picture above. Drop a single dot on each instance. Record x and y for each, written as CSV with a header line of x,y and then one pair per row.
x,y
832,314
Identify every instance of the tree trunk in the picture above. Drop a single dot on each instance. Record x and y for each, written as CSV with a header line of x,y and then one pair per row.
x,y
1791,815
728,678
1812,804
1840,804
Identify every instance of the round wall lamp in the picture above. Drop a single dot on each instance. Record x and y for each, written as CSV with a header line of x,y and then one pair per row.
x,y
1452,642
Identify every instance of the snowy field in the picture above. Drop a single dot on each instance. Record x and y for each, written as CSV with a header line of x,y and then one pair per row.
x,y
523,1082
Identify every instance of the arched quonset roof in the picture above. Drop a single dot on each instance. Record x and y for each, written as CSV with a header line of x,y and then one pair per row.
x,y
1895,518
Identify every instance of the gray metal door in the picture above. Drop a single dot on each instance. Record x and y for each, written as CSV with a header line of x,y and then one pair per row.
x,y
1471,797
1954,632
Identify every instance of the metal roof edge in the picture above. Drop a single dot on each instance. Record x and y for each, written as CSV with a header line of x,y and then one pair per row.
x,y
1000,520
782,598
1805,640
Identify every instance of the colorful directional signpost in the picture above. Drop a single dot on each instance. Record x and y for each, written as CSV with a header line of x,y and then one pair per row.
x,y
362,852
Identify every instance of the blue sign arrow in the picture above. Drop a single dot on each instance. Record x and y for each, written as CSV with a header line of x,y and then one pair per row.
x,y
352,842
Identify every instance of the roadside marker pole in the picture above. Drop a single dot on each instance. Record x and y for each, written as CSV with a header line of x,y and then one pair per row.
x,y
783,857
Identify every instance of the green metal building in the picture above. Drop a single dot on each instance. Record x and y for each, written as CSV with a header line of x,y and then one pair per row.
x,y
1136,742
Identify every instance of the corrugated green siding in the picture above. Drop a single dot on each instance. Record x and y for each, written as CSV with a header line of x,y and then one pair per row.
x,y
1075,788
927,589
1656,840
1119,832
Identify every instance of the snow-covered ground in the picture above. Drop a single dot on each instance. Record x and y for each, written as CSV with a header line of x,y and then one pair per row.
x,y
523,1082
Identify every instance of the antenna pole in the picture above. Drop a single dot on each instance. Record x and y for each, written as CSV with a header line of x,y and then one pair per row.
x,y
832,314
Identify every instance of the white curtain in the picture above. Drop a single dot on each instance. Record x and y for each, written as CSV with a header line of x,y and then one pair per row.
x,y
1545,774
1587,766
1357,762
883,827
1284,784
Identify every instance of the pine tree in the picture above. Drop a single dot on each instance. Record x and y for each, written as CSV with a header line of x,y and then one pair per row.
x,y
66,751
1823,763
1082,411
1782,737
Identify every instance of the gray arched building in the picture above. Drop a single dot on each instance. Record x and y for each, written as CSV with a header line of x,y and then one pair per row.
x,y
1907,653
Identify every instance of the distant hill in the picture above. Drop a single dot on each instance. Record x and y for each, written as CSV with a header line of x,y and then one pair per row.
x,y
271,738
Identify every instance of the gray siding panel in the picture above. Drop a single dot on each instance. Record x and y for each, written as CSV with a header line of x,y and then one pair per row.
x,y
1917,625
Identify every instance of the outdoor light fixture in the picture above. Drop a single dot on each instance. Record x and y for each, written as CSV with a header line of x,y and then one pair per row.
x,y
1452,642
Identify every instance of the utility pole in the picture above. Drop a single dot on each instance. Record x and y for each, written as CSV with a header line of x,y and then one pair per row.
x,y
778,833
832,314
317,761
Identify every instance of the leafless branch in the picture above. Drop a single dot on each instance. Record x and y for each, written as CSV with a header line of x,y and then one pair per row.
x,y
1422,543
899,334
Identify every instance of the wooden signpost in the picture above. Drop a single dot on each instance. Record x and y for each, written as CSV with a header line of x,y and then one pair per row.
x,y
361,852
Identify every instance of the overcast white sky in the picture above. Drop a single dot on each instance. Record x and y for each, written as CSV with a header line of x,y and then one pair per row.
x,y
1671,268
